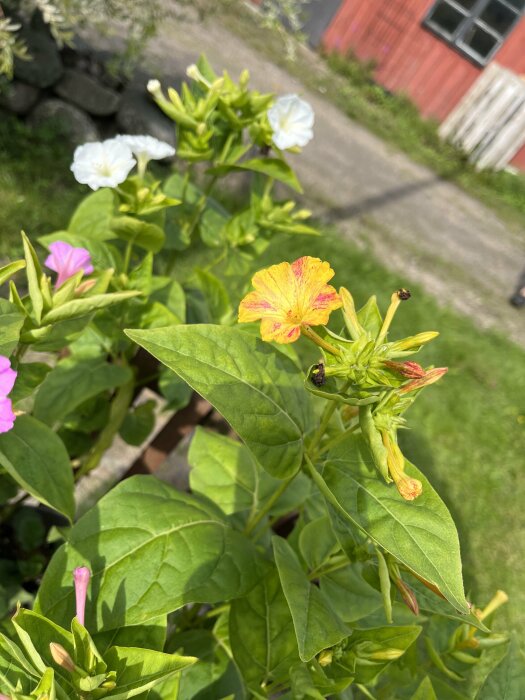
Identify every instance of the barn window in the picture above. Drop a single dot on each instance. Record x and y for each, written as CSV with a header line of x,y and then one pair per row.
x,y
477,28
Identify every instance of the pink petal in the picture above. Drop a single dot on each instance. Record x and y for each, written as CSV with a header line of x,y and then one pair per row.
x,y
7,376
67,261
7,417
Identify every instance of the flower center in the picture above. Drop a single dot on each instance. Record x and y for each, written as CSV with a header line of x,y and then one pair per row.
x,y
103,169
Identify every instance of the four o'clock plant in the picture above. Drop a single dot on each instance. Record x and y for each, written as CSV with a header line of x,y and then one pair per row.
x,y
308,557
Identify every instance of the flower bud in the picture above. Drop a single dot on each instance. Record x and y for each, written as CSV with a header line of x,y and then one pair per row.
x,y
408,487
154,87
81,576
410,370
325,657
414,341
61,657
85,287
390,654
428,378
499,599
408,595
193,72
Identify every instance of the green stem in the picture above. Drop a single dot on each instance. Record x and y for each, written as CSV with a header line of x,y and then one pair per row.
x,y
118,411
127,256
325,420
201,205
321,483
339,438
259,515
335,566
226,148
21,350
314,337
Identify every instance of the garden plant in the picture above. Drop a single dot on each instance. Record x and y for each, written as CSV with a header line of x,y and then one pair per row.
x,y
309,558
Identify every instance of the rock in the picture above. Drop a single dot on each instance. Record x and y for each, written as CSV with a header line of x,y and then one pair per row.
x,y
138,114
44,67
19,97
87,93
75,124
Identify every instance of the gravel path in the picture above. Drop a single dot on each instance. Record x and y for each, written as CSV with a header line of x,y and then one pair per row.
x,y
415,223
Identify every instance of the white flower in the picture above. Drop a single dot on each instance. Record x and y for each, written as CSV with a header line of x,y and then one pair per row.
x,y
153,85
102,164
292,121
147,148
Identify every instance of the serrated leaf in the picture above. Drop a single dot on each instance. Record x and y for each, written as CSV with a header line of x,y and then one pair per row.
x,y
155,548
257,389
316,625
37,460
420,534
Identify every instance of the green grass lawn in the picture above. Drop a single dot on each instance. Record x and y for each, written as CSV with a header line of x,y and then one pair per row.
x,y
37,189
467,431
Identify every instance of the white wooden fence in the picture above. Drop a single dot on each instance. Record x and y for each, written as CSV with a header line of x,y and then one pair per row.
x,y
489,122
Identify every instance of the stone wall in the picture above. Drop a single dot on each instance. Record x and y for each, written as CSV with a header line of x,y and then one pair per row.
x,y
76,88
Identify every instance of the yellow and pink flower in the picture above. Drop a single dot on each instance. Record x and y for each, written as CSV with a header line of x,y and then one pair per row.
x,y
290,297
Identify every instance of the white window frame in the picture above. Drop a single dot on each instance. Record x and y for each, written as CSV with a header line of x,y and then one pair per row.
x,y
472,18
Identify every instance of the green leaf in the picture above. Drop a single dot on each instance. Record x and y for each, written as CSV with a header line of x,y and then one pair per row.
x,y
151,635
86,305
372,645
37,460
425,691
138,423
11,322
46,688
178,551
420,534
262,633
507,680
257,389
351,597
16,672
34,273
174,389
7,271
170,293
317,542
30,376
92,216
316,625
216,296
276,168
141,233
370,317
74,381
139,670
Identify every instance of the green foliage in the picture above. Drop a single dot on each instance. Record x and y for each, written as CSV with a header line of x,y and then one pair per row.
x,y
311,558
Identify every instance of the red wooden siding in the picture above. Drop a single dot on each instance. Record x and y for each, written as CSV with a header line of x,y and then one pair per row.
x,y
408,57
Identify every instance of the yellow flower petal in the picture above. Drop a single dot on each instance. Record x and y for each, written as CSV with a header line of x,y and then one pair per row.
x,y
288,296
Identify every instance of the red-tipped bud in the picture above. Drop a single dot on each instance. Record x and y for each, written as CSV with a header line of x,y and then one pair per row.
x,y
81,576
408,595
429,378
410,370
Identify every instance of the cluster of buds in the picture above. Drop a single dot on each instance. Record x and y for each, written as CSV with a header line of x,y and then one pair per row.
x,y
373,374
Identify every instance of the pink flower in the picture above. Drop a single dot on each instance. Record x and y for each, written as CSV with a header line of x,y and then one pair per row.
x,y
81,576
67,261
7,381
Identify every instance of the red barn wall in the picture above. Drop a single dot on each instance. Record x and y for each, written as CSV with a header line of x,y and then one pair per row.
x,y
408,57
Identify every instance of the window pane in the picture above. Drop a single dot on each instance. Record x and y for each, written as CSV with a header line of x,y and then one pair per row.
x,y
479,41
469,4
446,18
518,4
498,16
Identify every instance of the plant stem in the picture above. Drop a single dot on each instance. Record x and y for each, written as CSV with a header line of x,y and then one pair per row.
x,y
201,205
315,338
339,438
321,483
320,571
127,256
259,515
325,420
